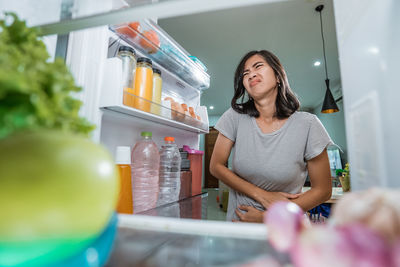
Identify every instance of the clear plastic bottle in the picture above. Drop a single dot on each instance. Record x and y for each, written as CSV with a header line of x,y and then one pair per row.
x,y
170,168
145,173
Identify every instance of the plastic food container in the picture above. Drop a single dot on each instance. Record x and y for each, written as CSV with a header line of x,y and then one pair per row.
x,y
196,166
186,184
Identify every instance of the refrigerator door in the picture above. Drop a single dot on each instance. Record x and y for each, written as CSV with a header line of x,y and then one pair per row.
x,y
368,41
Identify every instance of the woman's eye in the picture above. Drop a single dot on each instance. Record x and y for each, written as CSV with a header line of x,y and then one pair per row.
x,y
244,74
259,65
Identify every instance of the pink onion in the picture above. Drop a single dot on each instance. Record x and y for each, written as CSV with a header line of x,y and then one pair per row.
x,y
376,208
284,221
346,246
262,262
396,254
368,249
319,246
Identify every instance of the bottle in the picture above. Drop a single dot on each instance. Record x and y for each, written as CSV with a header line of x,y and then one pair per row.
x,y
123,161
170,167
157,85
145,170
143,84
128,57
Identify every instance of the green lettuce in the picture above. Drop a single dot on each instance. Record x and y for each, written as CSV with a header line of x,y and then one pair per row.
x,y
34,93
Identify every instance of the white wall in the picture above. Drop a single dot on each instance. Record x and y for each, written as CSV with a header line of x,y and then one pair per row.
x,y
368,36
212,120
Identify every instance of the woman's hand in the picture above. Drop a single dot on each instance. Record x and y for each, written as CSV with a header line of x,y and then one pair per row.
x,y
266,198
251,214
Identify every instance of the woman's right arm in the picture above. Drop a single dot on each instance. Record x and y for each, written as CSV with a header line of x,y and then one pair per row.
x,y
222,149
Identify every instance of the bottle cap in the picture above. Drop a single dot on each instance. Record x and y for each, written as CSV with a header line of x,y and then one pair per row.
x,y
144,59
192,151
126,48
123,155
156,71
169,138
148,134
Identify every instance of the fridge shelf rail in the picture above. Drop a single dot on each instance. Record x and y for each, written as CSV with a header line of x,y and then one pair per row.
x,y
154,112
148,38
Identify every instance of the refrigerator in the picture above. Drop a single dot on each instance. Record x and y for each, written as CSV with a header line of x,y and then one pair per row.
x,y
368,40
87,35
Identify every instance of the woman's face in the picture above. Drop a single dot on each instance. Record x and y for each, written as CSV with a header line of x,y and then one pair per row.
x,y
258,77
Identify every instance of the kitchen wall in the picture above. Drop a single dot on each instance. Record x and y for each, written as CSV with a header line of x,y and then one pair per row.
x,y
335,125
213,120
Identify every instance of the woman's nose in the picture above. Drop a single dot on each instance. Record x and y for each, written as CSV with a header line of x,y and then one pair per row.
x,y
252,75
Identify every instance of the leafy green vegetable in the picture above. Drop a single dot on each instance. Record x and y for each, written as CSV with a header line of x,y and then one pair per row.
x,y
34,93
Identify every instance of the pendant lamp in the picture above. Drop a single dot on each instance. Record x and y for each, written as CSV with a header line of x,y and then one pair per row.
x,y
329,105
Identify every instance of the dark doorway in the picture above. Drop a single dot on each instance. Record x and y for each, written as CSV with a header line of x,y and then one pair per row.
x,y
210,139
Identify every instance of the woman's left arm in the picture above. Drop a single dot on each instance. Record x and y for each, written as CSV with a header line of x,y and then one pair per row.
x,y
321,183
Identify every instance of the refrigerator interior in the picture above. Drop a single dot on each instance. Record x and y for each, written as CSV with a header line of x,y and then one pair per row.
x,y
89,54
118,129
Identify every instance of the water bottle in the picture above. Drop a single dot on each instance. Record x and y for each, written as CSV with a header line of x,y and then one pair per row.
x,y
145,170
170,168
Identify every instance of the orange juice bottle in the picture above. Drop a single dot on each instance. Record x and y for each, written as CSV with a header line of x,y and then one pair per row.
x,y
157,84
128,57
123,161
143,84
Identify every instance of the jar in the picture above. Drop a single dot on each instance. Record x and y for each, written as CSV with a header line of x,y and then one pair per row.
x,y
156,99
128,57
143,84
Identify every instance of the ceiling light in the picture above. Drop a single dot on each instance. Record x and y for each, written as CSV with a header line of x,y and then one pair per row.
x,y
329,105
374,50
211,107
317,63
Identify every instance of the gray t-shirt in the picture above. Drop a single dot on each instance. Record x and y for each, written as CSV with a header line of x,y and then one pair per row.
x,y
276,161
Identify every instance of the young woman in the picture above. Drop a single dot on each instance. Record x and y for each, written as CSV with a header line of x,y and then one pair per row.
x,y
274,146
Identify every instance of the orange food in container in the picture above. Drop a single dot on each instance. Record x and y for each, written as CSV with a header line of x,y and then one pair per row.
x,y
177,111
157,88
150,41
128,58
123,161
143,84
191,112
185,107
131,30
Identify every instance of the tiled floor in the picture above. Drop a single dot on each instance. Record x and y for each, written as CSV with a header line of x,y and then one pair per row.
x,y
214,212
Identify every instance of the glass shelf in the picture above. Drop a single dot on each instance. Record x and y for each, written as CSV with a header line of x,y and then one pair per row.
x,y
148,38
145,109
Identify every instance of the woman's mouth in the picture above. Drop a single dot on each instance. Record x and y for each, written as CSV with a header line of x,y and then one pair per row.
x,y
253,83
